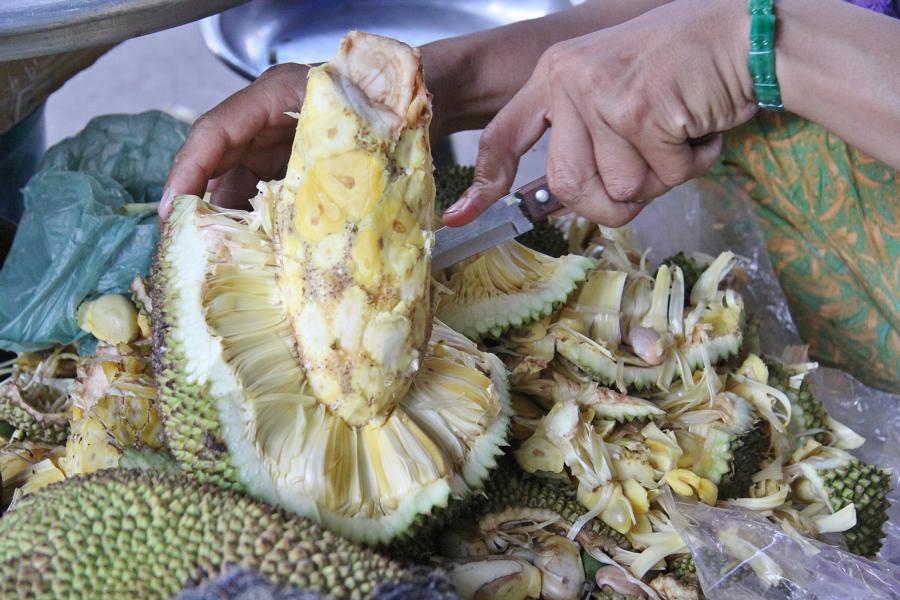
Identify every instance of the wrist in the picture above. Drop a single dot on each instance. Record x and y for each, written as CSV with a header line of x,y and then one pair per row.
x,y
441,64
737,21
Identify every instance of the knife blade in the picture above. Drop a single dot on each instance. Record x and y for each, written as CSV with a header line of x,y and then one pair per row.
x,y
509,217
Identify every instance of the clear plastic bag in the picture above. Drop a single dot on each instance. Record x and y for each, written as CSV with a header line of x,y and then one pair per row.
x,y
738,553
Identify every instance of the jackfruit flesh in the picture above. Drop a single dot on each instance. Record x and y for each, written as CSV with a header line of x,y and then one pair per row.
x,y
113,408
111,318
34,397
66,541
292,362
352,230
507,286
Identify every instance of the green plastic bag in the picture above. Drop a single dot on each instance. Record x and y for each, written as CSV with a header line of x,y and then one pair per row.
x,y
89,225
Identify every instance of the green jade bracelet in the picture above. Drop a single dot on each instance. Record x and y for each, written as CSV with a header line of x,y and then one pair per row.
x,y
762,54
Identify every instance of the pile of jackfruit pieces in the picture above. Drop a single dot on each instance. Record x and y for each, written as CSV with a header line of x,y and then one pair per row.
x,y
295,393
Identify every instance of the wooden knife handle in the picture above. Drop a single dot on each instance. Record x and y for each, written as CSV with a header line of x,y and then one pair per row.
x,y
537,201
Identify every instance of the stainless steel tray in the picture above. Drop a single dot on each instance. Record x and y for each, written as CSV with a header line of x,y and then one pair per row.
x,y
261,33
31,28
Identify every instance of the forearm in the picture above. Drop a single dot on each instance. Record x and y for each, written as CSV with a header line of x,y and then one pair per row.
x,y
837,66
473,76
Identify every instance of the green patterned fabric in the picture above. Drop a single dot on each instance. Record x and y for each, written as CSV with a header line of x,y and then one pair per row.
x,y
831,216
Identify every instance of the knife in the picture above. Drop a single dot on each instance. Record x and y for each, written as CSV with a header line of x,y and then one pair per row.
x,y
507,218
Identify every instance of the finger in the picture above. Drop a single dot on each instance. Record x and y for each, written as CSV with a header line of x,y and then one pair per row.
x,y
209,148
674,163
621,167
218,139
706,153
573,177
511,133
234,189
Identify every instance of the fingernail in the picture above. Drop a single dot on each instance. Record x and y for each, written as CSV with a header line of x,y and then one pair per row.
x,y
460,204
165,201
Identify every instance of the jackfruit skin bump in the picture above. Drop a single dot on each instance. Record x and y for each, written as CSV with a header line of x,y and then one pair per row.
x,y
122,533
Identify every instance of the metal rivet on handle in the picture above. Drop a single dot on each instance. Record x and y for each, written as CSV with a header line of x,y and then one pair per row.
x,y
542,196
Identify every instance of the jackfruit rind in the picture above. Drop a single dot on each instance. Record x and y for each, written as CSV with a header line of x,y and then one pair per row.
x,y
601,363
841,479
65,541
807,412
35,424
510,487
507,286
733,451
238,413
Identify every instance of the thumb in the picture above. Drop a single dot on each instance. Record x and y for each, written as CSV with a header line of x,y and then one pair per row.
x,y
511,133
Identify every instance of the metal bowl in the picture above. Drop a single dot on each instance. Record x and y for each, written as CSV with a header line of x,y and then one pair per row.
x,y
38,27
253,37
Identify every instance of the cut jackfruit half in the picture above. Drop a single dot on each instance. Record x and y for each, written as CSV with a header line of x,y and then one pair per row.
x,y
507,286
297,353
239,410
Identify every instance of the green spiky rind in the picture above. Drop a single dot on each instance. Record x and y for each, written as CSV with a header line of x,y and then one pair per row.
x,y
583,353
546,239
147,459
749,343
189,410
683,567
867,487
122,533
493,316
807,412
747,454
624,412
509,488
450,183
719,349
49,428
579,352
690,269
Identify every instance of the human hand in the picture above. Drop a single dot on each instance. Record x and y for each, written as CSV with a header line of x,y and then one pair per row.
x,y
630,109
245,139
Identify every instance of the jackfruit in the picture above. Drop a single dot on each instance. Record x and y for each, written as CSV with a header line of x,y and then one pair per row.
x,y
808,414
293,349
624,332
556,386
66,541
840,480
683,567
509,487
111,318
507,286
34,398
450,183
730,450
113,408
691,269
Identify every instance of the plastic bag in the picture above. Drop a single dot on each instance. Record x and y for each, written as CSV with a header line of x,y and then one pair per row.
x,y
89,225
727,543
